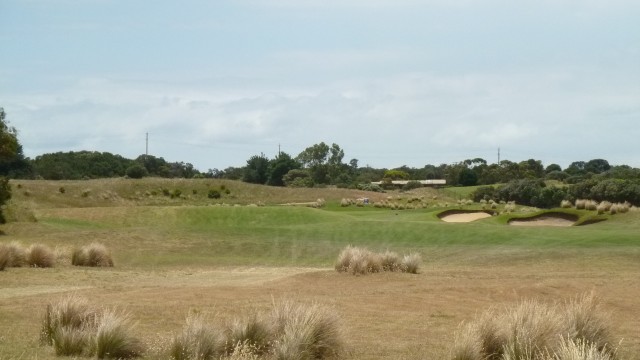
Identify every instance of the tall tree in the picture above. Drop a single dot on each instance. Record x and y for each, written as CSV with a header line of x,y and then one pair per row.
x,y
279,167
256,170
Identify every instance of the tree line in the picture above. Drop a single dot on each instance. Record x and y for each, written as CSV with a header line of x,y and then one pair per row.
x,y
324,165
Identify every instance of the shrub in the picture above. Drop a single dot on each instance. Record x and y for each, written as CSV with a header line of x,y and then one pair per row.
x,y
62,190
86,193
114,339
95,255
40,256
306,332
214,194
197,341
581,204
176,193
136,171
411,263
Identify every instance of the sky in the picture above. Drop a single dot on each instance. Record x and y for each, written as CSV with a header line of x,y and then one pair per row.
x,y
392,82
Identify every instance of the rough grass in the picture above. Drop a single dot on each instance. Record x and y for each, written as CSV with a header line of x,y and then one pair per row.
x,y
71,312
533,330
5,256
359,261
579,350
289,331
38,255
252,332
197,341
17,255
306,332
114,337
94,255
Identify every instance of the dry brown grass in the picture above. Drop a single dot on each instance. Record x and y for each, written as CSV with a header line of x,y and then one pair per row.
x,y
38,255
360,261
532,329
114,338
5,256
94,255
16,255
198,340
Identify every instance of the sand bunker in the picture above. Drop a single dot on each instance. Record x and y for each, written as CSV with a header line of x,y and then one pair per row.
x,y
460,217
553,219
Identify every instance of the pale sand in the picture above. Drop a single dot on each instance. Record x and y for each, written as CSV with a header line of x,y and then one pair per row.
x,y
542,221
465,217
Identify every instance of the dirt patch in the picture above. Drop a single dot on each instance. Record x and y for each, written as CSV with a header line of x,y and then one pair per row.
x,y
462,216
548,219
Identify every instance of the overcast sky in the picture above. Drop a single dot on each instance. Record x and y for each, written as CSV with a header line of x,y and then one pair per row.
x,y
393,82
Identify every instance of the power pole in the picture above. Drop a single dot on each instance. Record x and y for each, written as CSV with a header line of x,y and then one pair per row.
x,y
498,156
146,153
278,150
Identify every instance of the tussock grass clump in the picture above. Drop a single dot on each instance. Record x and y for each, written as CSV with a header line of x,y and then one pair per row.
x,y
252,333
565,204
591,205
114,338
5,256
306,332
38,255
74,328
95,255
581,204
361,261
579,350
69,313
411,263
604,207
534,330
197,341
16,254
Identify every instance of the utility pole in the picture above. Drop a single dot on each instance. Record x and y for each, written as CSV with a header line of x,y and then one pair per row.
x,y
278,150
498,156
146,153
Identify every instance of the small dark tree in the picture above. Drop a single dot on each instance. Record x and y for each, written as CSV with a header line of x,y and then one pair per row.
x,y
137,171
256,170
279,167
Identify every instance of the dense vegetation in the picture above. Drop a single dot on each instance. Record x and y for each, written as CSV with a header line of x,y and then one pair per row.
x,y
321,165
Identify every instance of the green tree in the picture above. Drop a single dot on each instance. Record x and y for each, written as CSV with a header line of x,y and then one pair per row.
x,y
9,148
298,178
279,167
256,171
324,163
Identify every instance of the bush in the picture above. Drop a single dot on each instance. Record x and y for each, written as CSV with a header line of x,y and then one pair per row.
x,y
114,339
533,330
197,340
136,171
40,256
214,194
95,255
413,184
